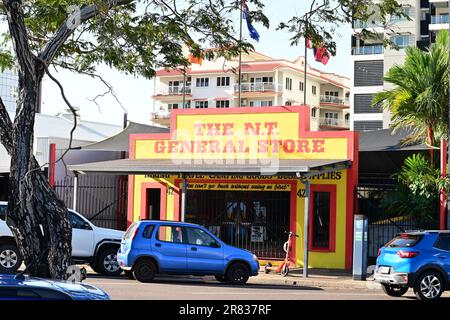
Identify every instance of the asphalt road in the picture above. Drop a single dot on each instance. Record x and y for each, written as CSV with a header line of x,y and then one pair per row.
x,y
184,288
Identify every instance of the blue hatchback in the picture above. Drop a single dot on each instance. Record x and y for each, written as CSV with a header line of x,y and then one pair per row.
x,y
418,260
167,247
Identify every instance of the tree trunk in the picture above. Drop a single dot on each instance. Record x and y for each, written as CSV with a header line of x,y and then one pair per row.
x,y
36,216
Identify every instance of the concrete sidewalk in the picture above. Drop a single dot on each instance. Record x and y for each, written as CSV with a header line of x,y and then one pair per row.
x,y
335,279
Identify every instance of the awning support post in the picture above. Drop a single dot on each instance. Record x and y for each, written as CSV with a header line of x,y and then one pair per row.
x,y
306,182
75,191
183,198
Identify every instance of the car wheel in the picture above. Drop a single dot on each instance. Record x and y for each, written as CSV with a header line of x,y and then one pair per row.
x,y
107,264
429,286
394,291
144,271
129,274
220,278
10,258
237,273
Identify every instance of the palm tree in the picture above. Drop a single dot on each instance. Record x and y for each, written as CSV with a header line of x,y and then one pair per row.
x,y
419,98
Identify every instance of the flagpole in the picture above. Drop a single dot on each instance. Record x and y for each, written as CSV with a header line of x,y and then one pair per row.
x,y
304,75
240,53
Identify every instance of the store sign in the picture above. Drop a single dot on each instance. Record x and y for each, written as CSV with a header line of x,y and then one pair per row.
x,y
239,186
241,136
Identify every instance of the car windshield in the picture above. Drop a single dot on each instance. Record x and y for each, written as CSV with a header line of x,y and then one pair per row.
x,y
404,241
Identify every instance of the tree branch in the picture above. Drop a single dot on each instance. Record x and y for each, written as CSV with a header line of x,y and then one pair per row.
x,y
6,128
69,26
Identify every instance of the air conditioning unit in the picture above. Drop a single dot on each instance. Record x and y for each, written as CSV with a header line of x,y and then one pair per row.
x,y
244,77
244,102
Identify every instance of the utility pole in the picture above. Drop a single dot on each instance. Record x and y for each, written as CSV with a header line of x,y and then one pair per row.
x,y
240,53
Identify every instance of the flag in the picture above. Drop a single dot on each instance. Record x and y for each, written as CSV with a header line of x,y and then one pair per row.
x,y
253,33
321,54
195,60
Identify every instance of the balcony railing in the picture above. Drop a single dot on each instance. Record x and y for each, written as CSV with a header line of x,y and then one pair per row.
x,y
366,50
439,19
332,122
358,24
334,100
173,90
257,87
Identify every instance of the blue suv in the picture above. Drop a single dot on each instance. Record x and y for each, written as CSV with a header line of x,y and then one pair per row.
x,y
418,260
168,247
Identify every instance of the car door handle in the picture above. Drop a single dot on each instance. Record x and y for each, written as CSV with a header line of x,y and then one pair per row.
x,y
442,257
157,244
193,248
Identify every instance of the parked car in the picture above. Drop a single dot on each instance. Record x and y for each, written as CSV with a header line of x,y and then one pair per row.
x,y
90,244
19,287
167,247
418,260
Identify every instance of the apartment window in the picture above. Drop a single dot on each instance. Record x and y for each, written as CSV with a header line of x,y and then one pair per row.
x,y
173,106
405,10
222,103
261,80
288,103
401,41
201,104
367,125
266,103
289,84
368,73
363,104
174,86
301,86
313,112
202,82
332,93
223,81
314,90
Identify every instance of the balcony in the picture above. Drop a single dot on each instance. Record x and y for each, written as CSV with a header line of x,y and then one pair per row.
x,y
439,19
367,50
358,24
333,123
170,92
257,87
334,101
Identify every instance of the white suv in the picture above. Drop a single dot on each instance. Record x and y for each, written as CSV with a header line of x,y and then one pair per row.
x,y
90,244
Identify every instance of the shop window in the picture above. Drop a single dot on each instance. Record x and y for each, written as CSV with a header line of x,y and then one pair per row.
x,y
170,234
322,218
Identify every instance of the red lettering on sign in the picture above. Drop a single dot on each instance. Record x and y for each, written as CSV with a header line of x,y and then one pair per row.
x,y
252,129
303,146
318,146
270,126
160,147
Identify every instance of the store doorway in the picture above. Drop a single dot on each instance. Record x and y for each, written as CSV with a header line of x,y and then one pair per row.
x,y
254,220
153,208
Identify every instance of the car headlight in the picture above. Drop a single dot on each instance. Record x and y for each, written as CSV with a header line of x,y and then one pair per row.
x,y
255,257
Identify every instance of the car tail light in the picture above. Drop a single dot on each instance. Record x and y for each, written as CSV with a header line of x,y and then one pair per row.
x,y
407,254
379,252
135,233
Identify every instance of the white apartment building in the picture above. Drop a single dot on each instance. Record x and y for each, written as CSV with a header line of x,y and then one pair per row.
x,y
265,82
371,61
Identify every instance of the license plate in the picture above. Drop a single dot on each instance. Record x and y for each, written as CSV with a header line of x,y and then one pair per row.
x,y
384,270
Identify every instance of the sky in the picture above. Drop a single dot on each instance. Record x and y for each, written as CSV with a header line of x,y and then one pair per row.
x,y
135,93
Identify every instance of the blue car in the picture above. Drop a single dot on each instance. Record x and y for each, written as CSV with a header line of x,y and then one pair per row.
x,y
418,260
167,247
18,287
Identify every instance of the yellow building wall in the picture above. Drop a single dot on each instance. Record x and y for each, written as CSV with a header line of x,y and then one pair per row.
x,y
331,260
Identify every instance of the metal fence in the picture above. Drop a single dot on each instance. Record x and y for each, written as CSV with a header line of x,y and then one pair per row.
x,y
384,226
101,199
256,221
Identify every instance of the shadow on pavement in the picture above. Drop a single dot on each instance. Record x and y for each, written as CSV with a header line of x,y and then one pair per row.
x,y
199,281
